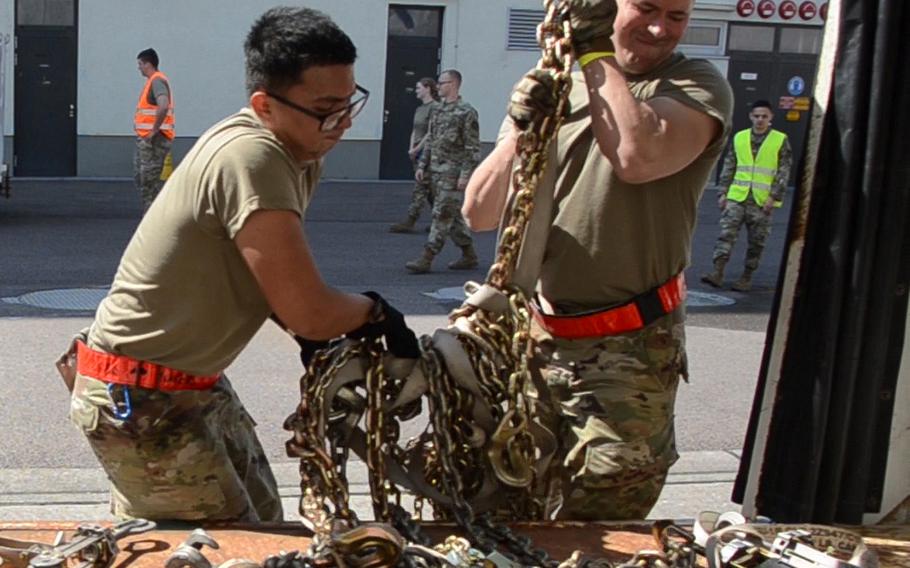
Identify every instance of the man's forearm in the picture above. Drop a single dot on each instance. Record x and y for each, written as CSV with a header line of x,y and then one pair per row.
x,y
486,193
782,176
160,115
161,110
728,171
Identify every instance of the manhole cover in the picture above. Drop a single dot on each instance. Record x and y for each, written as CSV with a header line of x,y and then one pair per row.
x,y
452,294
693,299
704,300
79,299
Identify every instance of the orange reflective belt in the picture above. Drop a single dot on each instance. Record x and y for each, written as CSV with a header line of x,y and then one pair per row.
x,y
633,315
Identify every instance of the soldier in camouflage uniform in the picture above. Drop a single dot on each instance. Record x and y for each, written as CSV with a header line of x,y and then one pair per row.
x,y
154,126
426,91
451,153
645,128
750,204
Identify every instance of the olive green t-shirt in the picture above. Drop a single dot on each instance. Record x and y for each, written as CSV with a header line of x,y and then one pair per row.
x,y
612,240
422,119
183,296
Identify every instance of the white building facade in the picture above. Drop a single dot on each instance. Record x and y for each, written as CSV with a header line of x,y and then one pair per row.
x,y
72,83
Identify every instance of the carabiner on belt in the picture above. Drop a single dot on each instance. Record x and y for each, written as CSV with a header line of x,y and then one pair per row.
x,y
121,410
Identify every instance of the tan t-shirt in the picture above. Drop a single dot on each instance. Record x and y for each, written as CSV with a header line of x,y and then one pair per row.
x,y
183,296
610,239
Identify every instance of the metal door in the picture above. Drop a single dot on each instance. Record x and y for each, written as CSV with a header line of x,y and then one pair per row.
x,y
752,78
414,43
45,102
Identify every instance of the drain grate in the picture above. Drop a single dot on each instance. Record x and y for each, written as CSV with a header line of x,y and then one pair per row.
x,y
76,299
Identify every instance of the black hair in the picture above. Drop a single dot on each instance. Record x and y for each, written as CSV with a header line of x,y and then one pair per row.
x,y
286,41
762,104
149,56
454,73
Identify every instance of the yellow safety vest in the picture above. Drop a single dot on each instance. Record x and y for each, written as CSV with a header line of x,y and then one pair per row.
x,y
145,111
755,174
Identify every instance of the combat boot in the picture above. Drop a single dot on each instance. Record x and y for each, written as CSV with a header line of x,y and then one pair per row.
x,y
406,226
744,284
421,265
716,278
467,261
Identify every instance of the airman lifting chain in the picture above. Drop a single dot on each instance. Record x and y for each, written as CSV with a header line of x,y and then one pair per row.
x,y
481,452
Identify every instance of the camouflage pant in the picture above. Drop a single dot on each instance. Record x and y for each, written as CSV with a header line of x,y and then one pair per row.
x,y
610,401
422,194
182,455
758,225
147,164
447,221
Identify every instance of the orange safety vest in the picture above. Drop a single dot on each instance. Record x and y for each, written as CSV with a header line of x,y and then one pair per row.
x,y
145,111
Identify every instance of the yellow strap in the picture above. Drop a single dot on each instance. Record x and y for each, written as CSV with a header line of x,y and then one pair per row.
x,y
594,56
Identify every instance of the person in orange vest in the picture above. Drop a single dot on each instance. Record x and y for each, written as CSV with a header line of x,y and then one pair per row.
x,y
154,125
752,184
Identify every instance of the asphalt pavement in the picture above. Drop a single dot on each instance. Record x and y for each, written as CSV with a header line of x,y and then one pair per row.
x,y
60,241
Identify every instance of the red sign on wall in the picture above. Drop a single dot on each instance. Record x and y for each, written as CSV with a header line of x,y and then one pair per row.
x,y
787,9
766,8
823,11
745,8
807,10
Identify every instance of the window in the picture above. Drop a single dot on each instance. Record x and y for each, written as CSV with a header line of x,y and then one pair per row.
x,y
46,12
523,29
704,38
752,38
414,22
801,40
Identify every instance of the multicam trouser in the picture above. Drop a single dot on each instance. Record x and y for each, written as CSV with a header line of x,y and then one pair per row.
x,y
422,195
758,225
419,197
610,401
148,162
181,455
447,220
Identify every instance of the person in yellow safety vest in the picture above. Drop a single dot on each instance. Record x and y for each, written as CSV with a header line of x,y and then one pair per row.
x,y
154,125
752,183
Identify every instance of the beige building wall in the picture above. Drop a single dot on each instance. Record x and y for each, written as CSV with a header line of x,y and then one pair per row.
x,y
200,43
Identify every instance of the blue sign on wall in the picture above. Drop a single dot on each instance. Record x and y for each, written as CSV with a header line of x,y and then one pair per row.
x,y
796,85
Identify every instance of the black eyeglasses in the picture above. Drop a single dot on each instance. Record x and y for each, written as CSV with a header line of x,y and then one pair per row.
x,y
331,120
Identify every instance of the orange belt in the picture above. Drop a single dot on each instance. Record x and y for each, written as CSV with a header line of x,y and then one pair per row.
x,y
635,314
124,370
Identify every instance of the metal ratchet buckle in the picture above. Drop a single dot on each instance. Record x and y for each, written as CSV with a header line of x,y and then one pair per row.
x,y
92,545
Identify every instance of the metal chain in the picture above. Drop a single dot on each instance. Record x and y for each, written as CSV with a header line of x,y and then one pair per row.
x,y
499,355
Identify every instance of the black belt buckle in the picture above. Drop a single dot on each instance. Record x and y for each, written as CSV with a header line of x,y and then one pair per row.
x,y
650,308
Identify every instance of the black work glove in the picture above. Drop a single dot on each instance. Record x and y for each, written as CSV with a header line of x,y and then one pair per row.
x,y
386,321
308,348
533,99
592,25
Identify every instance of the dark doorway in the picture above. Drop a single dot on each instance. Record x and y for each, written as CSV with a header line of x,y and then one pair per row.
x,y
45,94
776,64
414,43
